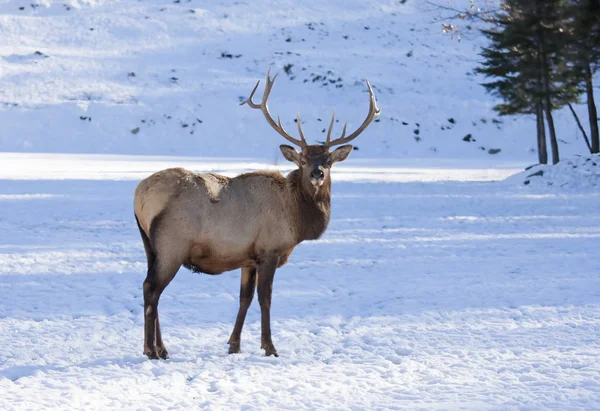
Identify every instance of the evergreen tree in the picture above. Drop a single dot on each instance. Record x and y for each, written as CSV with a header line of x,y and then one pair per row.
x,y
584,54
527,55
518,81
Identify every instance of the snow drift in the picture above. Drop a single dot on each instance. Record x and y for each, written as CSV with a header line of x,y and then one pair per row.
x,y
573,174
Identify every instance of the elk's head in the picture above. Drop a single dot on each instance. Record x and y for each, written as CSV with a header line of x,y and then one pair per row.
x,y
313,160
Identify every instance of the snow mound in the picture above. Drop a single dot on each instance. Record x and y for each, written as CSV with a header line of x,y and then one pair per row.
x,y
576,174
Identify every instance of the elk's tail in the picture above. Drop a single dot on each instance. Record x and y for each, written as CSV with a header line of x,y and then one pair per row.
x,y
150,254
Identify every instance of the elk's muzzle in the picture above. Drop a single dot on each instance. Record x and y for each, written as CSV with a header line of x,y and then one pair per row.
x,y
317,174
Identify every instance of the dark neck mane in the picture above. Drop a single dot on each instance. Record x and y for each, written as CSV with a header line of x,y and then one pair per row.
x,y
312,211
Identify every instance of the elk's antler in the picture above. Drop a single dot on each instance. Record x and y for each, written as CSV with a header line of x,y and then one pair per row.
x,y
374,112
265,109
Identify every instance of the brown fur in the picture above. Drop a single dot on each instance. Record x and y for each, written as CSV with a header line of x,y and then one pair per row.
x,y
271,214
212,224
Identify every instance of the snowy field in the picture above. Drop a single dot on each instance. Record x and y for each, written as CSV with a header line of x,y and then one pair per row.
x,y
449,278
434,288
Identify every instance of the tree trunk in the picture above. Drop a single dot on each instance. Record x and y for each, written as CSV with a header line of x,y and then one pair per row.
x,y
585,137
545,74
593,114
553,141
539,109
541,134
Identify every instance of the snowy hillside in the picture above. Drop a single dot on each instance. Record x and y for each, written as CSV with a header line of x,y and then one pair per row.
x,y
165,77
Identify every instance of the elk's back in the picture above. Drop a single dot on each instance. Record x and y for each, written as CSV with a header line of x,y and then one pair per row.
x,y
222,223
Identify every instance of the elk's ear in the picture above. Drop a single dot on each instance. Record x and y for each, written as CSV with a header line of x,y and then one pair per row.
x,y
340,153
290,154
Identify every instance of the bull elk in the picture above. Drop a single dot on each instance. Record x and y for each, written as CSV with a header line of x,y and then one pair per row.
x,y
210,223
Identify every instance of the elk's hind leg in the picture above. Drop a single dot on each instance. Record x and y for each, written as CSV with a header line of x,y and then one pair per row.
x,y
159,276
168,258
247,287
151,257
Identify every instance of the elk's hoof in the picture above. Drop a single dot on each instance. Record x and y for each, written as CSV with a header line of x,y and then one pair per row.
x,y
163,353
270,350
151,354
234,348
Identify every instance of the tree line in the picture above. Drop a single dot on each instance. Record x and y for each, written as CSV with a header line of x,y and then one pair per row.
x,y
542,56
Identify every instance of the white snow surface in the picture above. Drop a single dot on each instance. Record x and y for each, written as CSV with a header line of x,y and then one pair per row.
x,y
435,289
164,77
574,174
438,284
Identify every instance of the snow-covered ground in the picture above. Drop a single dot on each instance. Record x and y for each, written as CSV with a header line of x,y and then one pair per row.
x,y
436,286
572,175
432,289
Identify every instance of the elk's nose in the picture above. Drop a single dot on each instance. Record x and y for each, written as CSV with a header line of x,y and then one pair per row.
x,y
317,174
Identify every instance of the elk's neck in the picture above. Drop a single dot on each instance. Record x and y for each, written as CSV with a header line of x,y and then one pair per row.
x,y
312,211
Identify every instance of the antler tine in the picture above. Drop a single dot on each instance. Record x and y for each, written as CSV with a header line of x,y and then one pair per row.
x,y
263,106
374,112
344,130
249,99
300,127
281,126
328,140
268,86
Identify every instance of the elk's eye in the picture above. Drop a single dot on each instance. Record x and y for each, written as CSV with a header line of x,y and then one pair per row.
x,y
328,163
303,162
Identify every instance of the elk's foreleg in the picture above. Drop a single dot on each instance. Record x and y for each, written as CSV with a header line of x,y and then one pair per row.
x,y
160,346
266,273
247,287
